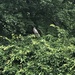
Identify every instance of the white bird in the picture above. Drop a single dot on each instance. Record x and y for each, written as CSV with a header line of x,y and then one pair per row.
x,y
36,32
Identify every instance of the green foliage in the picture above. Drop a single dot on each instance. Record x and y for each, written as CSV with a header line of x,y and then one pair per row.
x,y
51,54
18,16
46,55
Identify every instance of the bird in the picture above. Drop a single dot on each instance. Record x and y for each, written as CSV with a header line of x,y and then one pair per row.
x,y
36,33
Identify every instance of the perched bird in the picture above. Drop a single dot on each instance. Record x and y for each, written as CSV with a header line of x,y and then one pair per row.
x,y
35,31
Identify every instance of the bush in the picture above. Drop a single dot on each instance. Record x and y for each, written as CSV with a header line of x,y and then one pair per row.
x,y
33,56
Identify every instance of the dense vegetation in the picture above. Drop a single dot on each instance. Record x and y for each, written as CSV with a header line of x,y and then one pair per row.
x,y
21,53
